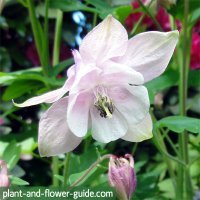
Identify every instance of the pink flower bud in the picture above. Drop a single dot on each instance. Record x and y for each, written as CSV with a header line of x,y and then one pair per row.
x,y
122,176
4,180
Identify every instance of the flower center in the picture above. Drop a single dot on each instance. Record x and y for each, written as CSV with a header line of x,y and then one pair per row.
x,y
104,104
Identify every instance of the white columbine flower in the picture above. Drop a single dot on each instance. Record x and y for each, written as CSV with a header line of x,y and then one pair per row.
x,y
106,92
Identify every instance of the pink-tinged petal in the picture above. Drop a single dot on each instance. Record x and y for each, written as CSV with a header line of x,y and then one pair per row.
x,y
107,129
54,134
131,101
48,97
150,52
85,79
78,113
106,40
117,74
141,131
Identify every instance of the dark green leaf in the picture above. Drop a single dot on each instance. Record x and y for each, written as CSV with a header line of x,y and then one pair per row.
x,y
68,5
180,123
17,88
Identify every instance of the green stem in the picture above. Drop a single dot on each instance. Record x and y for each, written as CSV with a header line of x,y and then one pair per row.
x,y
46,33
150,15
39,37
34,25
159,143
66,168
185,186
55,165
139,21
58,30
94,20
170,142
107,156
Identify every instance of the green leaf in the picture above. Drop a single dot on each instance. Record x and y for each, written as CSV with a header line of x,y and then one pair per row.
x,y
8,78
122,12
17,88
180,123
69,6
11,154
18,181
102,7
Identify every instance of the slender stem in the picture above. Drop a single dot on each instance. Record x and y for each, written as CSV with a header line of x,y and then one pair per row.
x,y
150,15
34,24
159,143
185,185
58,29
170,142
55,165
46,33
107,156
134,148
66,168
94,20
139,21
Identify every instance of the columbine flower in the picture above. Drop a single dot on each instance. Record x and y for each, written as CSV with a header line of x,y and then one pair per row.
x,y
122,176
4,180
105,89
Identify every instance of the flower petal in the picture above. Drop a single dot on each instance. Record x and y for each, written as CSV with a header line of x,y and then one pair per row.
x,y
49,97
131,101
141,131
77,113
106,40
116,74
54,134
107,129
149,53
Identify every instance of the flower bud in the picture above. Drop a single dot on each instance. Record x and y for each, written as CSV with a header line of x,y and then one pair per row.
x,y
122,176
4,180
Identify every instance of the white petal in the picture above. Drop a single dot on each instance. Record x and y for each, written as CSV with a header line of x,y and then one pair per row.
x,y
141,131
54,134
116,74
77,113
107,129
48,97
132,102
108,39
149,53
85,79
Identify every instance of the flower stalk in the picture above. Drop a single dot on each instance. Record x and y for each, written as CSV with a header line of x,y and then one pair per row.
x,y
184,182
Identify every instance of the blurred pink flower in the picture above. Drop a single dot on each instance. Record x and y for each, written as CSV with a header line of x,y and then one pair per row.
x,y
106,92
4,180
195,47
161,16
122,176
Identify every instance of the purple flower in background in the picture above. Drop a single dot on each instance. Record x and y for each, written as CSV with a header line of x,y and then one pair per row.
x,y
122,176
4,180
106,92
